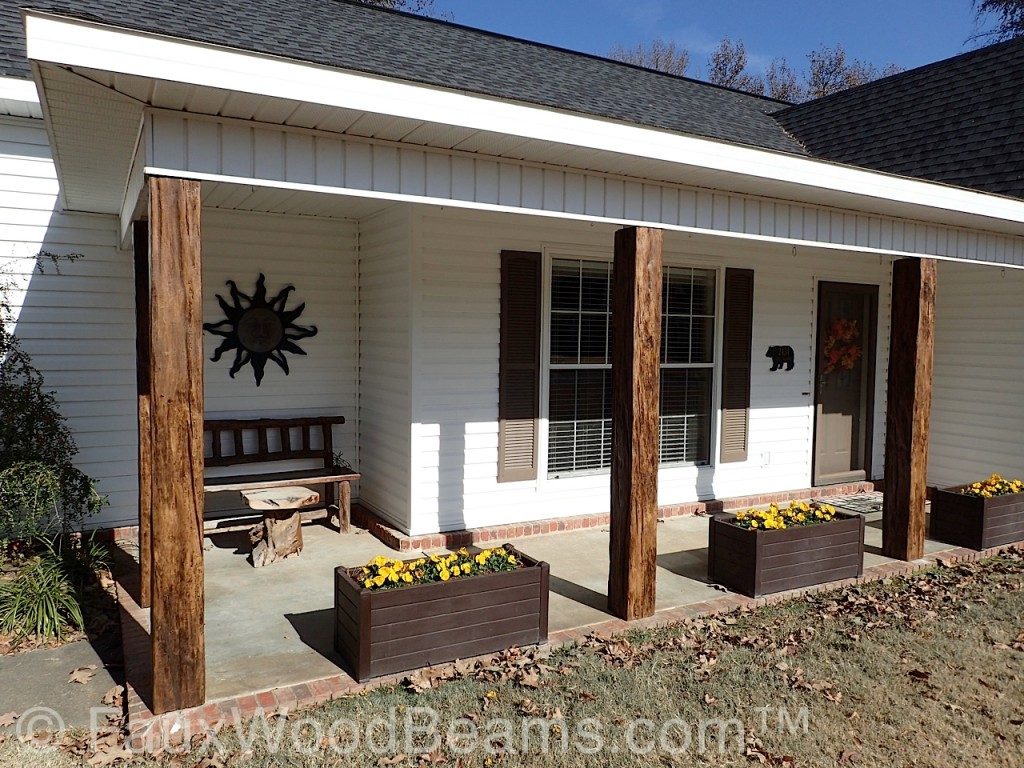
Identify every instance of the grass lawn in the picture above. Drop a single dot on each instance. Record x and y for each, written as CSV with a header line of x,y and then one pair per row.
x,y
926,671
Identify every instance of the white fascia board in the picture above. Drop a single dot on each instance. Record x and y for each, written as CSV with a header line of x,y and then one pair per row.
x,y
19,89
71,42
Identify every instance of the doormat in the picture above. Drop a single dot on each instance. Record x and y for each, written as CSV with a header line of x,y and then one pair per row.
x,y
862,503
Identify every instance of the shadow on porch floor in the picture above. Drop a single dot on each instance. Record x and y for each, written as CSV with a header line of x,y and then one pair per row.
x,y
273,627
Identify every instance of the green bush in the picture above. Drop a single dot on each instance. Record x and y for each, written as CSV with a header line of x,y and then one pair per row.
x,y
41,491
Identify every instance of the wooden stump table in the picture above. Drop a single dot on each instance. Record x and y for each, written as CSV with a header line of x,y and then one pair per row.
x,y
280,533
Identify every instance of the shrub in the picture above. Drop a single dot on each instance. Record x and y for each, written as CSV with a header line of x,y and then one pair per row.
x,y
41,491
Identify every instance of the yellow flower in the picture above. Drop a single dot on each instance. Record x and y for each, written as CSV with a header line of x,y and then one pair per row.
x,y
481,558
407,577
512,560
466,568
368,583
445,574
753,523
378,580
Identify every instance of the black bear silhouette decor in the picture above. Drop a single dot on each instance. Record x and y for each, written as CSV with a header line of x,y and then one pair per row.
x,y
781,356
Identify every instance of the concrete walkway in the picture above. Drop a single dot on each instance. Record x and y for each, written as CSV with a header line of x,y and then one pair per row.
x,y
40,678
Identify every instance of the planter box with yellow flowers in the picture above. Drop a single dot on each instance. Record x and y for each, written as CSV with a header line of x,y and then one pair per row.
x,y
393,615
758,552
988,513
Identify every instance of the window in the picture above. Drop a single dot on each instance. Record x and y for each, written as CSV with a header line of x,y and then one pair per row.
x,y
579,404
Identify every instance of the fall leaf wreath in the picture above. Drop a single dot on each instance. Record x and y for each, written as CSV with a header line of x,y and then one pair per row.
x,y
842,346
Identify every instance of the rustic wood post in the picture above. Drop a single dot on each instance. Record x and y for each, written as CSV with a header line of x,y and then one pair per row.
x,y
176,385
911,350
140,235
636,361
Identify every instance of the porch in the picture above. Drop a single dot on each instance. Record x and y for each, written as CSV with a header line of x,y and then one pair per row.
x,y
269,631
399,249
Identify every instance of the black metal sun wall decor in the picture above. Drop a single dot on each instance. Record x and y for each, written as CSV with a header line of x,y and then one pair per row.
x,y
259,329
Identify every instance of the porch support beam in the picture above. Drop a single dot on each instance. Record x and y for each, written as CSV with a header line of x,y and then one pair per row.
x,y
176,382
911,353
636,358
140,237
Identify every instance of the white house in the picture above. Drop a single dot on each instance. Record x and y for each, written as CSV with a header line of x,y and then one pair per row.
x,y
445,203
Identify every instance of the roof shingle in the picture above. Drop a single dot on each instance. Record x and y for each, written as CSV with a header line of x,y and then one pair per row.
x,y
348,35
958,121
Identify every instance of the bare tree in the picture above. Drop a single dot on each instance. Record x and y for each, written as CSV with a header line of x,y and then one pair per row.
x,y
782,82
831,70
1009,16
727,66
664,56
423,7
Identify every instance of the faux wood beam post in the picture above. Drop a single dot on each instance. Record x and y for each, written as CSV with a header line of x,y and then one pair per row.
x,y
142,363
176,383
636,361
911,352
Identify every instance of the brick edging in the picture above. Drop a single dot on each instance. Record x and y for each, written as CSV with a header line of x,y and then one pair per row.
x,y
403,542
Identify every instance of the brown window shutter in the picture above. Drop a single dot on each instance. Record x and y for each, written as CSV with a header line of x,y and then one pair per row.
x,y
736,348
519,366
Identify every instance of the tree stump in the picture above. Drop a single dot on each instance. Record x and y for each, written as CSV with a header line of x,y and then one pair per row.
x,y
280,533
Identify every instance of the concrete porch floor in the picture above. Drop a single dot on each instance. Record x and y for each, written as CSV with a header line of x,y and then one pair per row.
x,y
273,627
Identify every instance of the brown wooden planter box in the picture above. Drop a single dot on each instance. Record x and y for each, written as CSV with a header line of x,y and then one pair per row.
x,y
976,522
395,630
760,562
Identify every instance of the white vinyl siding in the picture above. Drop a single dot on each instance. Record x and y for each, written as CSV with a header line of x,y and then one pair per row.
x,y
455,407
78,325
318,257
977,422
304,160
385,363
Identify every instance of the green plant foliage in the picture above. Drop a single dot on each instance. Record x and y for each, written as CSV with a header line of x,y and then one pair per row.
x,y
41,491
41,599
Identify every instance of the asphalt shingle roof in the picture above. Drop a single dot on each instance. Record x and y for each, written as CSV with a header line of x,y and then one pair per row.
x,y
348,35
958,121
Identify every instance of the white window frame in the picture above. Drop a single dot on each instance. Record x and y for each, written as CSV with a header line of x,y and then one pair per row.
x,y
553,252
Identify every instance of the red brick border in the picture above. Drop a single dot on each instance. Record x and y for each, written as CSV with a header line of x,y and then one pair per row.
x,y
452,539
396,539
150,732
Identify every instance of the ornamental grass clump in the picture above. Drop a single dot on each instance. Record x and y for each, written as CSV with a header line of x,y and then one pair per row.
x,y
385,573
776,518
996,485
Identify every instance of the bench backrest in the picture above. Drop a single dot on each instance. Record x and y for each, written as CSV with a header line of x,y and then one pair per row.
x,y
276,440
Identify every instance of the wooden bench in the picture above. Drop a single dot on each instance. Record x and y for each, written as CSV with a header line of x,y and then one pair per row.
x,y
273,440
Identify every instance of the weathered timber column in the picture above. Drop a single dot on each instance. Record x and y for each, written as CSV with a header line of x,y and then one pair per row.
x,y
911,352
636,360
142,362
176,385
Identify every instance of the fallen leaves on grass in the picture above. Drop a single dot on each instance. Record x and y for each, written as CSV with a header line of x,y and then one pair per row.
x,y
8,719
524,668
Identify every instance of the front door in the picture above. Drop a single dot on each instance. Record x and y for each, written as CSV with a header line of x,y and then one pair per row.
x,y
845,375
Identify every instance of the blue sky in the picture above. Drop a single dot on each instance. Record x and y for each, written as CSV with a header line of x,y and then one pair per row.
x,y
907,32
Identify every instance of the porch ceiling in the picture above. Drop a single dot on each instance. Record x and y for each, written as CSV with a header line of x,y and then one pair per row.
x,y
242,197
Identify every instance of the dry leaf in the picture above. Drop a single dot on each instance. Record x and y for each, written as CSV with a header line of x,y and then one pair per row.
x,y
82,675
7,719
